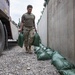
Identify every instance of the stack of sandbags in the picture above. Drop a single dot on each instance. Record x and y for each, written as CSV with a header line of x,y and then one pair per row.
x,y
67,72
62,64
43,53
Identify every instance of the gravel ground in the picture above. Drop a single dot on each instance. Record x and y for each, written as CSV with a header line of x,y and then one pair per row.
x,y
16,62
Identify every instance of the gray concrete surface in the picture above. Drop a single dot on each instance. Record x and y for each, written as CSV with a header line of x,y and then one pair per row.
x,y
42,27
61,27
16,62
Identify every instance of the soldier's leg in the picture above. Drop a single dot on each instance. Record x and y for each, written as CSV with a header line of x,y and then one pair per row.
x,y
26,45
26,40
30,44
30,40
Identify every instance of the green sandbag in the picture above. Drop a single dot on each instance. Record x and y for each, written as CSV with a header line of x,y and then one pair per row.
x,y
20,39
42,46
36,49
40,51
43,56
56,55
62,64
49,52
36,40
67,72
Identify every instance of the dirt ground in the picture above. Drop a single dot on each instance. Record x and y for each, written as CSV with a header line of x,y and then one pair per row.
x,y
16,61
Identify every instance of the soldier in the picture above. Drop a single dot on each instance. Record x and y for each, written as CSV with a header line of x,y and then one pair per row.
x,y
28,24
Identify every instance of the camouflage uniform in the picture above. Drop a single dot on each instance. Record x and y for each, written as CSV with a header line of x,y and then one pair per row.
x,y
28,36
28,28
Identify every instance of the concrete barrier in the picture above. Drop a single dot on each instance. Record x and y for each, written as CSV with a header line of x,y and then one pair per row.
x,y
61,27
42,27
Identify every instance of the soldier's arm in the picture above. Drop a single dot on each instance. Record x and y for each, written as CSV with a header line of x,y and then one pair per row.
x,y
21,26
34,24
22,21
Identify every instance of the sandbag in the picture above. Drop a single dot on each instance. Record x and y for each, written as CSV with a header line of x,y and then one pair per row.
x,y
67,72
36,48
62,64
49,52
40,51
36,40
44,53
56,56
20,39
42,46
43,56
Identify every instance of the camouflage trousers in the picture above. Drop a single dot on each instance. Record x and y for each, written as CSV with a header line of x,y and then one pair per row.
x,y
28,36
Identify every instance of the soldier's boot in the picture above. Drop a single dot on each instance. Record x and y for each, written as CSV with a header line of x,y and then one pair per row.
x,y
27,50
30,51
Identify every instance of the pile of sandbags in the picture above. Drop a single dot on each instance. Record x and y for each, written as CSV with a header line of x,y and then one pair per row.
x,y
60,62
44,53
67,72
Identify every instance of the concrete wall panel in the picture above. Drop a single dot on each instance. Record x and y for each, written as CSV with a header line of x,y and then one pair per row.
x,y
61,29
42,27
